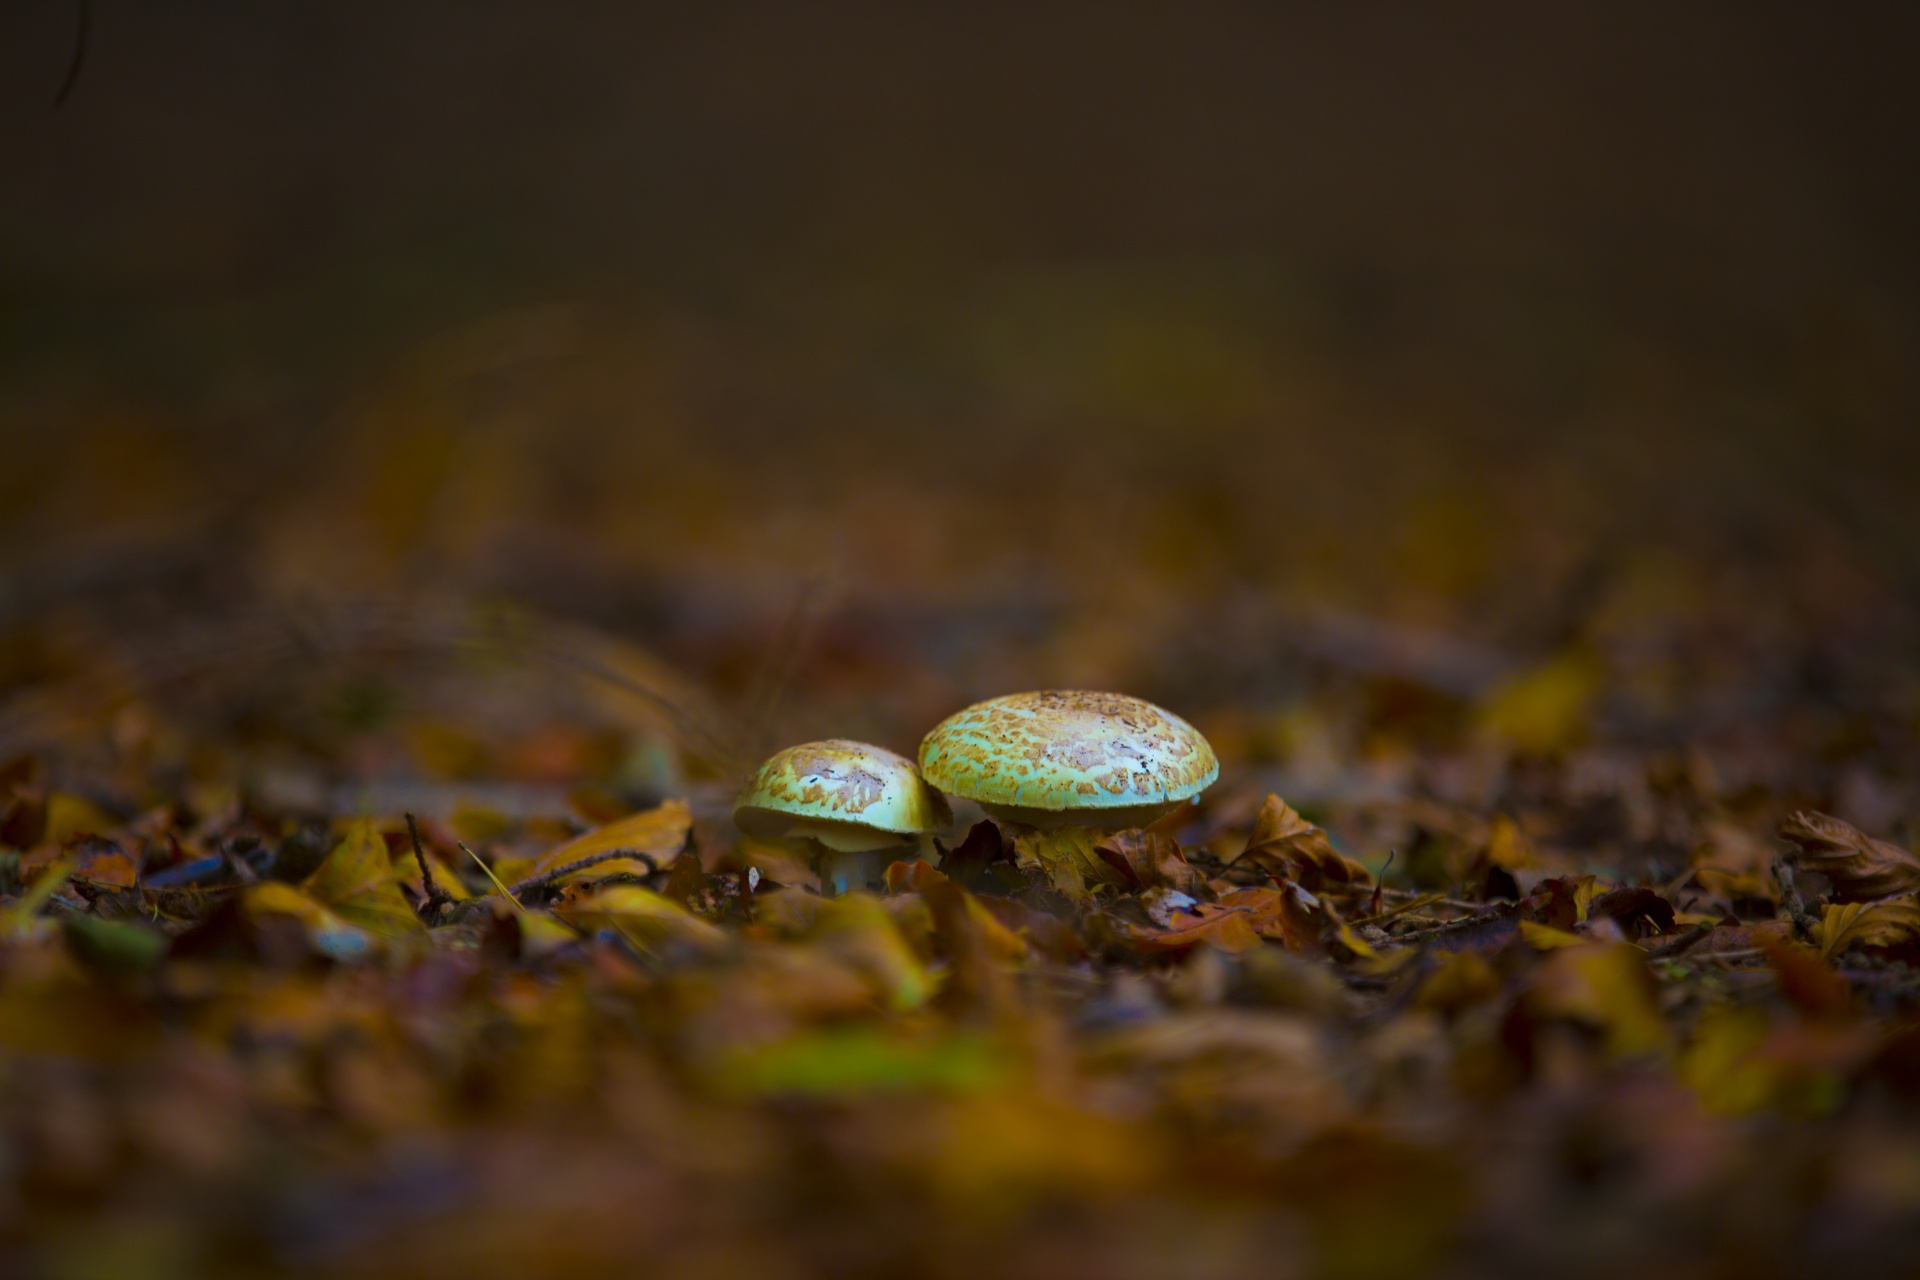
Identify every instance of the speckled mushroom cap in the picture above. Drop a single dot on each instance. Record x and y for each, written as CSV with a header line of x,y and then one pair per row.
x,y
846,794
1103,759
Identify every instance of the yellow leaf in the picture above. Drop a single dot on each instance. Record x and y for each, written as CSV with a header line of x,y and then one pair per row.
x,y
329,932
1721,1065
356,883
19,918
1607,985
69,815
643,918
1462,980
541,934
1371,961
1544,709
1876,924
1507,847
858,929
1545,938
660,833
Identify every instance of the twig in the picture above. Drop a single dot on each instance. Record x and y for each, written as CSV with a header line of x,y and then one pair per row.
x,y
438,899
1452,926
1416,904
1804,922
1675,945
546,878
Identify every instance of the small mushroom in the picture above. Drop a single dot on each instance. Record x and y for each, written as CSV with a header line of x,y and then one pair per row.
x,y
855,807
1069,757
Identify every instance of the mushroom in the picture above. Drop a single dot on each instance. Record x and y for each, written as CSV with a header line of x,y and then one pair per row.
x,y
854,806
1069,757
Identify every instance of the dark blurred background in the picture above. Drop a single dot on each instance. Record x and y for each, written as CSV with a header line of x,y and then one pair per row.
x,y
862,358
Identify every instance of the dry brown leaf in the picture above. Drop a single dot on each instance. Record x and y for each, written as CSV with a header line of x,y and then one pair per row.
x,y
1066,856
1859,867
1730,863
1286,844
1150,860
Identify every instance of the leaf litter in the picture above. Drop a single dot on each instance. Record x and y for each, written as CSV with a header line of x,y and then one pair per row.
x,y
1534,1007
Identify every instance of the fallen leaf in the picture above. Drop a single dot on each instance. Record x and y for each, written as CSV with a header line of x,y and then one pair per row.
x,y
68,815
1463,979
1808,982
329,932
1285,913
1863,924
1607,985
1638,911
1545,709
644,918
1288,845
968,936
858,928
1066,857
1859,867
1546,938
967,862
1150,860
103,862
1212,924
356,883
660,833
1730,864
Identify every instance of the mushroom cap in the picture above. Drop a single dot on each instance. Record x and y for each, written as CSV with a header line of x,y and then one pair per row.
x,y
1099,756
838,790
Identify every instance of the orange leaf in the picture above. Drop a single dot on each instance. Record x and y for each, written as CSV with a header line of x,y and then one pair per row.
x,y
1213,924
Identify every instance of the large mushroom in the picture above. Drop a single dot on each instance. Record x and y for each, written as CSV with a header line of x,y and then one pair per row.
x,y
1069,757
852,806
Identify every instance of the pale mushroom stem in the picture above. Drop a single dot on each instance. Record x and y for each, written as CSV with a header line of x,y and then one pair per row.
x,y
843,872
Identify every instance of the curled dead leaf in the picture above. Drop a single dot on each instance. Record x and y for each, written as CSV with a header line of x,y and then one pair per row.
x,y
1286,844
1859,867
